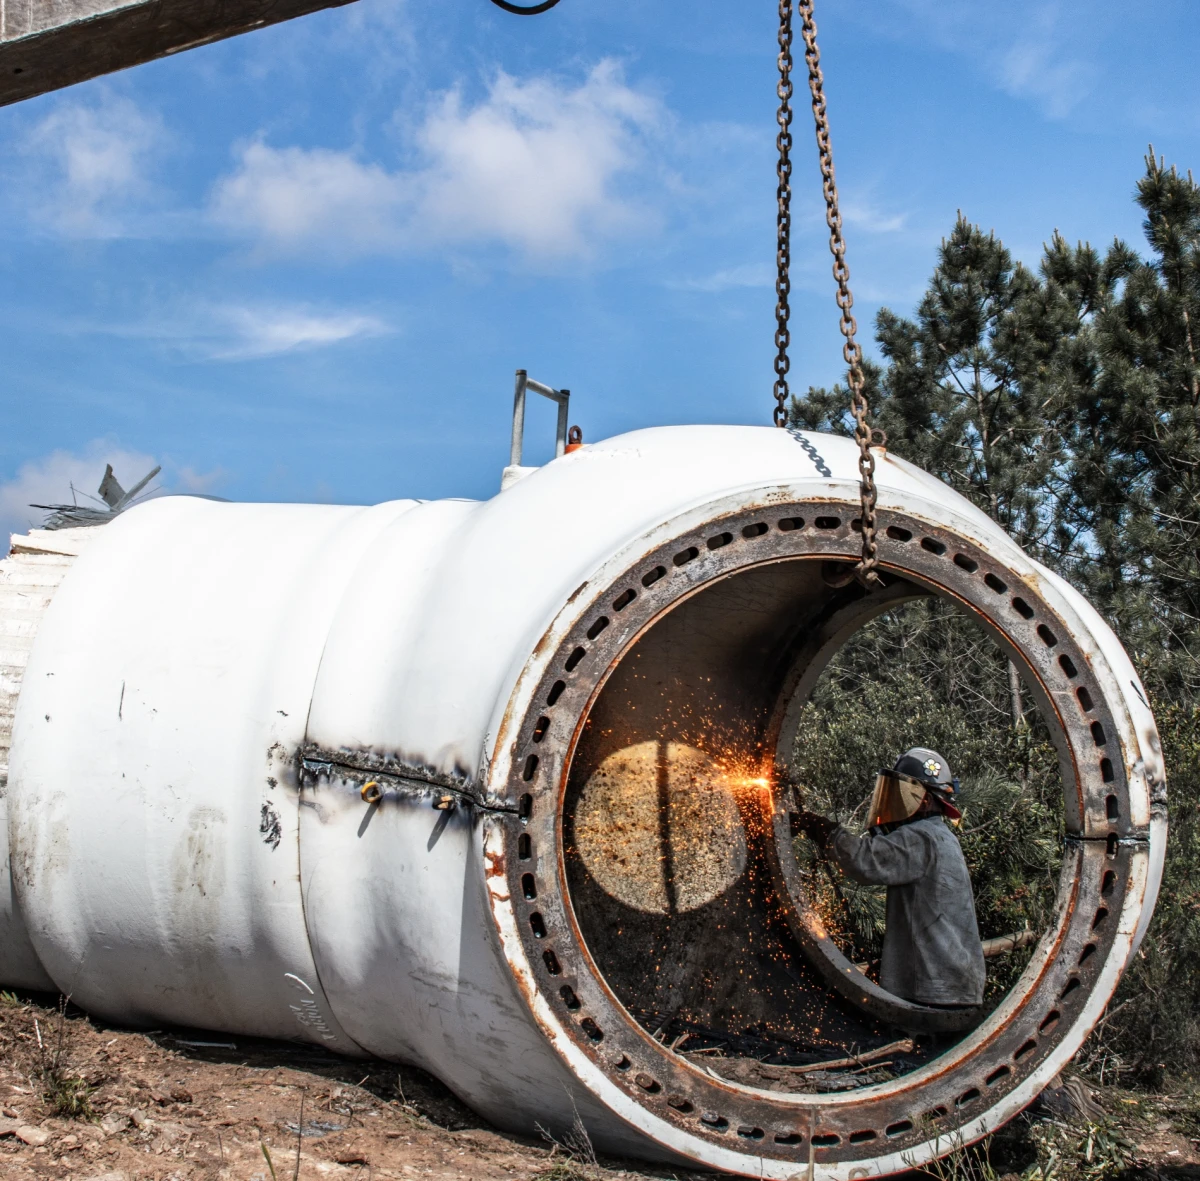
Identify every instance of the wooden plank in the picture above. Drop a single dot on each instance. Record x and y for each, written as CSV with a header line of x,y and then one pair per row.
x,y
48,44
65,542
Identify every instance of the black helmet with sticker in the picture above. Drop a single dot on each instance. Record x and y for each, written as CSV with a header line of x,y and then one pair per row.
x,y
929,768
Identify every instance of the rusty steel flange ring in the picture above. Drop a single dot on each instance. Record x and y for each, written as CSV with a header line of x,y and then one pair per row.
x,y
987,1076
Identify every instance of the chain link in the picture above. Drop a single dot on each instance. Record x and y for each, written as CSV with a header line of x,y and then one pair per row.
x,y
783,217
868,563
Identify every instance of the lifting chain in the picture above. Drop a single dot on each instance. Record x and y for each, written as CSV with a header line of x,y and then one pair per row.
x,y
863,434
783,217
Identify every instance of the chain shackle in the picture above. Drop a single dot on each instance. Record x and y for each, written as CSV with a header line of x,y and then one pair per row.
x,y
867,569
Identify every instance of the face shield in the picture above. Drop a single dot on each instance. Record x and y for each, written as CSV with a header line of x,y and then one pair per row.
x,y
897,797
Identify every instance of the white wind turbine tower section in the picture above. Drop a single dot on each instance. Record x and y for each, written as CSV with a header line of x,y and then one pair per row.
x,y
317,772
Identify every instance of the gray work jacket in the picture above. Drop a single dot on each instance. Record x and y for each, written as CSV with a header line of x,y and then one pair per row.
x,y
931,949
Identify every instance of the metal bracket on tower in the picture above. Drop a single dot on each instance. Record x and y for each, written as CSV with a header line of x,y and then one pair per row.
x,y
515,471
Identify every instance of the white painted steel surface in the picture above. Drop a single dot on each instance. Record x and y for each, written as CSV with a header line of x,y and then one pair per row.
x,y
166,864
29,576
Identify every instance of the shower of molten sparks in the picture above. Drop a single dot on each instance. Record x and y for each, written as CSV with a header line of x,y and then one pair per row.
x,y
747,783
662,825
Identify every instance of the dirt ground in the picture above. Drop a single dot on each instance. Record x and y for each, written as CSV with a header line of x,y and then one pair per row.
x,y
172,1105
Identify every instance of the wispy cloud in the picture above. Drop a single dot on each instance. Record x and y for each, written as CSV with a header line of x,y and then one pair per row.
x,y
311,198
1036,67
538,165
187,479
244,332
863,215
89,166
751,274
1039,50
231,331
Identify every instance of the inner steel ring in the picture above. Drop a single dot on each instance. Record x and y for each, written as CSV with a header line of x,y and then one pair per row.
x,y
1038,1015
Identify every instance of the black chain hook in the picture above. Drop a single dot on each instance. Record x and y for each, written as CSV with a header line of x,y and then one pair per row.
x,y
521,10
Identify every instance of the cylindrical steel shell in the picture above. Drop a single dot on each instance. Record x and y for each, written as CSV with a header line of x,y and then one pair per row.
x,y
213,686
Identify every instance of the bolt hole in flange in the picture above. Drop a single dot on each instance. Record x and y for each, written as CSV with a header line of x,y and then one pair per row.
x,y
698,937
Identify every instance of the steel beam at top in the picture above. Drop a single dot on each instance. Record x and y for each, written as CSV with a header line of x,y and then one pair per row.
x,y
48,44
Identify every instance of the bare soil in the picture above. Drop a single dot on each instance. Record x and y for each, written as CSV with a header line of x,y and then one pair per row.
x,y
170,1105
176,1104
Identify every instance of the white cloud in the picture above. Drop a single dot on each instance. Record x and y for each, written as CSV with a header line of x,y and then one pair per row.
x,y
245,332
751,274
865,216
535,164
90,164
1040,50
539,166
1032,68
317,198
187,479
205,331
49,480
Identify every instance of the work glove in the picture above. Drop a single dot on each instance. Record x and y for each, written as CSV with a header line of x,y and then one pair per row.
x,y
817,828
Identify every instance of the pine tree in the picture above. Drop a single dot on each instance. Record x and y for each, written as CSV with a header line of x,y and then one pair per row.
x,y
970,390
1136,429
1066,404
1135,480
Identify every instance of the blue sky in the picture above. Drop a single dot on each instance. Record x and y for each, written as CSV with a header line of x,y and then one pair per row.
x,y
303,264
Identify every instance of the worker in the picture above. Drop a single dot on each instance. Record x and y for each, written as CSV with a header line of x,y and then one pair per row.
x,y
931,949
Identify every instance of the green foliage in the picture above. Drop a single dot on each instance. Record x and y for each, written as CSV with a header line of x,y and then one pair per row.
x,y
66,1093
961,1163
69,1096
1066,404
970,391
1095,1152
267,1157
925,674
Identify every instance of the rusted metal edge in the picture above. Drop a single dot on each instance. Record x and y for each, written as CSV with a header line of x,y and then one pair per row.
x,y
979,1082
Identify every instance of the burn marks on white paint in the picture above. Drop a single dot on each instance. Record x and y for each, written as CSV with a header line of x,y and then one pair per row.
x,y
399,780
270,828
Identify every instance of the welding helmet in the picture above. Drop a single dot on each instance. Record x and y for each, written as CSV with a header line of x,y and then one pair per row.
x,y
899,791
